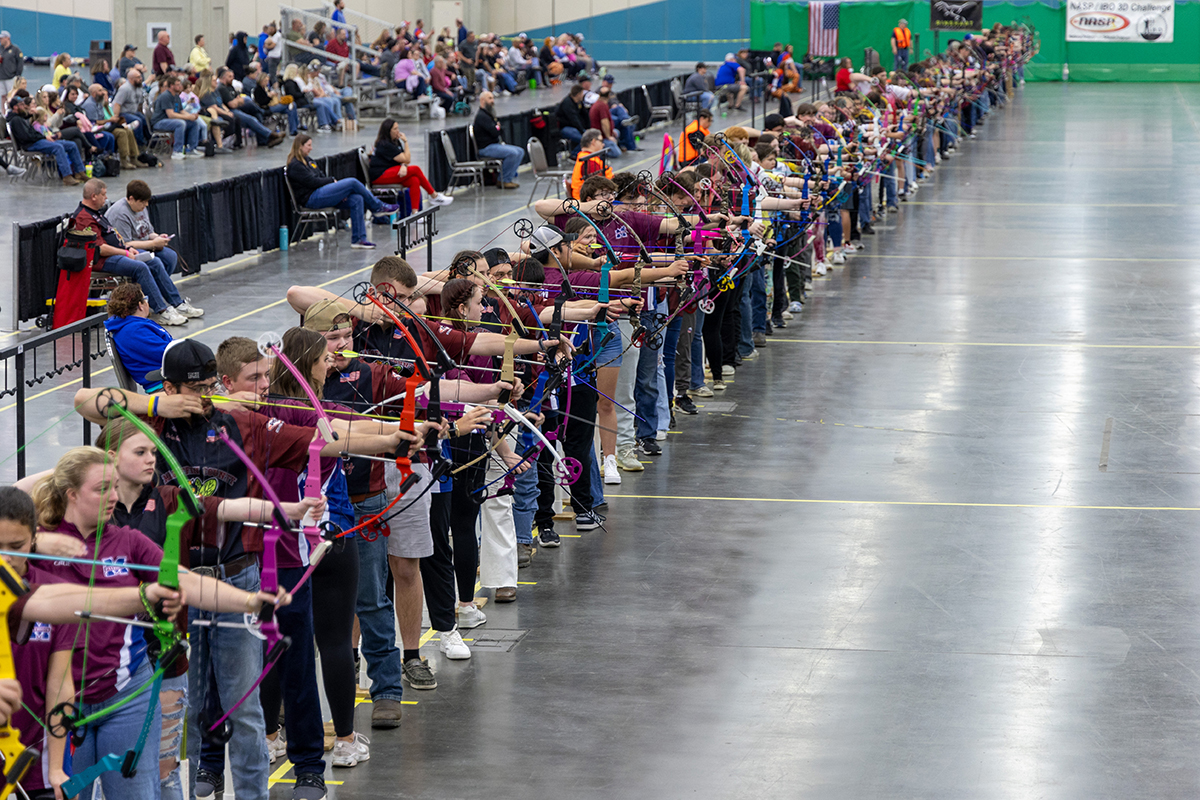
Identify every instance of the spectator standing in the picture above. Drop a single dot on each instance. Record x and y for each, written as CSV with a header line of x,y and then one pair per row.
x,y
491,144
199,57
128,61
901,45
170,117
116,256
164,59
697,84
238,58
462,30
66,154
274,47
339,13
12,63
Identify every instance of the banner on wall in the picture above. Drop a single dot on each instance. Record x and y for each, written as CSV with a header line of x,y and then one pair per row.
x,y
956,16
1108,21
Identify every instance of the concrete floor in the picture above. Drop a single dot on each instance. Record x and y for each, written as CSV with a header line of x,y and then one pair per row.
x,y
938,548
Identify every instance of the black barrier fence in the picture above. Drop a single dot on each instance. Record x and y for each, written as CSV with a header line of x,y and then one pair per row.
x,y
519,127
211,222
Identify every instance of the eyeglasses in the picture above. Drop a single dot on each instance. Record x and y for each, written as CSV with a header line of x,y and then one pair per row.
x,y
207,387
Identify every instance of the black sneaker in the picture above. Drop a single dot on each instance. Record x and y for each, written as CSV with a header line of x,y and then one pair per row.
x,y
209,784
547,537
603,506
649,446
309,786
779,323
868,230
418,674
686,405
588,521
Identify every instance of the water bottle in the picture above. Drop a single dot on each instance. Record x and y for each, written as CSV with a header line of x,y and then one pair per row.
x,y
283,238
1066,73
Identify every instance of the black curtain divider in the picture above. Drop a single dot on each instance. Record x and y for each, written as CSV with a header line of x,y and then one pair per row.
x,y
37,266
517,129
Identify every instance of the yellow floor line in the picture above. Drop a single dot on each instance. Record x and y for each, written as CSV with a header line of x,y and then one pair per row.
x,y
1067,345
902,503
277,776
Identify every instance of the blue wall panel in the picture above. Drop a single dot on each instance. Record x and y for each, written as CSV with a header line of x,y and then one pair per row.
x,y
40,34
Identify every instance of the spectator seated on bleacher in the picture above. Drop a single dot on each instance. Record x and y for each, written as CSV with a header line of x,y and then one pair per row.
x,y
26,137
138,340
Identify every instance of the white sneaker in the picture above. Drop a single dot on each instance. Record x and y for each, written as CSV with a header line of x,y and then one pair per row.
x,y
470,617
703,391
795,307
453,646
169,317
661,436
820,268
728,371
838,259
787,315
277,748
441,199
178,155
15,171
612,475
348,754
189,310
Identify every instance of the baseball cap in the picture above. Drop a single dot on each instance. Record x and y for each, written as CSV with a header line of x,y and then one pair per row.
x,y
320,316
729,57
495,256
129,47
546,237
5,35
610,79
184,361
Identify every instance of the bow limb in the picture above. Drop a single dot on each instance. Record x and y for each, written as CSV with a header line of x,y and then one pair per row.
x,y
17,758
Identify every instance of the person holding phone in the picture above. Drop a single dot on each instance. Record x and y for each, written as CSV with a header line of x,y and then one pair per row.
x,y
131,219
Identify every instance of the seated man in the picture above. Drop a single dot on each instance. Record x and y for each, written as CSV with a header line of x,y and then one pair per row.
x,y
590,161
20,128
116,257
600,118
132,221
104,118
169,117
239,99
139,341
128,103
697,85
491,143
571,117
731,79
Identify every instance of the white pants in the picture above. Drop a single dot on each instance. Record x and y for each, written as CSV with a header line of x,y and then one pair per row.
x,y
626,378
497,539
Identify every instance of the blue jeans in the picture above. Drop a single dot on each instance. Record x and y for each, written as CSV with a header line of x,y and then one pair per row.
x,y
376,614
525,503
698,351
173,725
348,109
573,135
103,140
292,117
833,221
298,678
117,733
889,185
511,155
151,275
746,329
670,345
593,467
188,132
614,149
240,659
333,109
349,194
758,300
645,389
507,81
66,155
864,203
251,123
625,133
142,132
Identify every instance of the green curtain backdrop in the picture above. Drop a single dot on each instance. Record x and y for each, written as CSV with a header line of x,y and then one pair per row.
x,y
869,24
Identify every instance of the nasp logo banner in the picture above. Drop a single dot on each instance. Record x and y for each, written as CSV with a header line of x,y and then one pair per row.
x,y
1103,21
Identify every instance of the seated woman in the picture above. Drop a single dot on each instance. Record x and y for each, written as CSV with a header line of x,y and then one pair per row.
x,y
73,111
138,340
300,90
267,97
391,164
316,190
408,73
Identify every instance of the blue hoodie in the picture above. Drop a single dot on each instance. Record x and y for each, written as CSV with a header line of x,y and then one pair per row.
x,y
140,343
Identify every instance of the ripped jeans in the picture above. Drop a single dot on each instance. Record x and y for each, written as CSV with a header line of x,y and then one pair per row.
x,y
173,697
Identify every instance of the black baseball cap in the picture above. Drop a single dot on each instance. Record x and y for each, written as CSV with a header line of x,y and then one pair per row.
x,y
130,47
185,361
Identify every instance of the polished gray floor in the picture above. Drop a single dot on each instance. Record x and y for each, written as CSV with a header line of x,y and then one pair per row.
x,y
941,546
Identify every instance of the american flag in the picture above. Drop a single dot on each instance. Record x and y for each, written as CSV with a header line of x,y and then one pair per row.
x,y
823,28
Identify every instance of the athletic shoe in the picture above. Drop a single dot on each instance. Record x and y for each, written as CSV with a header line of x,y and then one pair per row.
x,y
469,616
441,199
794,307
169,316
627,460
719,386
209,784
363,245
701,391
189,310
349,754
387,208
418,674
686,405
760,339
838,258
612,475
15,171
820,268
547,537
178,156
453,646
649,446
785,316
277,748
325,128
750,357
661,436
588,521
309,786
867,230
728,371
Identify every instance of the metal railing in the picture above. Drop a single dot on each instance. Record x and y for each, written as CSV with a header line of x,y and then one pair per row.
x,y
359,47
70,347
415,229
368,27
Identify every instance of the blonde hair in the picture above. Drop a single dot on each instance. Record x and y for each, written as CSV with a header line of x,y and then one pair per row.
x,y
116,432
50,493
737,132
291,72
204,85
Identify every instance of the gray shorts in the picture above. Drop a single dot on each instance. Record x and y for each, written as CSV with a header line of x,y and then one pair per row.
x,y
411,536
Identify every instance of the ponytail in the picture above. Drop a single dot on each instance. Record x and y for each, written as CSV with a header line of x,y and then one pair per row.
x,y
50,493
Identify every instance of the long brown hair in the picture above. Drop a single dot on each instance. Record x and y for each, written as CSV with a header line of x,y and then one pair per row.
x,y
304,348
50,493
297,143
456,292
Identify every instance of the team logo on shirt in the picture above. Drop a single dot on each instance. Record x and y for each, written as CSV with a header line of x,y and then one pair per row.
x,y
620,232
114,567
274,425
150,504
350,377
203,487
40,632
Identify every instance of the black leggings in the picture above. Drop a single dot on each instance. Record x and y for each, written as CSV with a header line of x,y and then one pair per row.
x,y
713,323
335,597
453,514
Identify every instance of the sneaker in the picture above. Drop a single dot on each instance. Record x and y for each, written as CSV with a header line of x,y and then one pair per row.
x,y
649,446
727,371
441,199
588,521
309,786
547,537
349,754
867,230
418,674
363,245
686,405
178,156
387,208
786,315
612,475
189,310
453,646
524,555
277,748
780,323
627,460
469,616
751,357
701,391
837,259
15,171
760,338
794,307
719,386
821,268
209,784
661,436
849,249
325,128
169,316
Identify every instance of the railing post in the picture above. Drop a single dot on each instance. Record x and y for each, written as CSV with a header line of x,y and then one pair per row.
x,y
86,338
12,315
20,366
